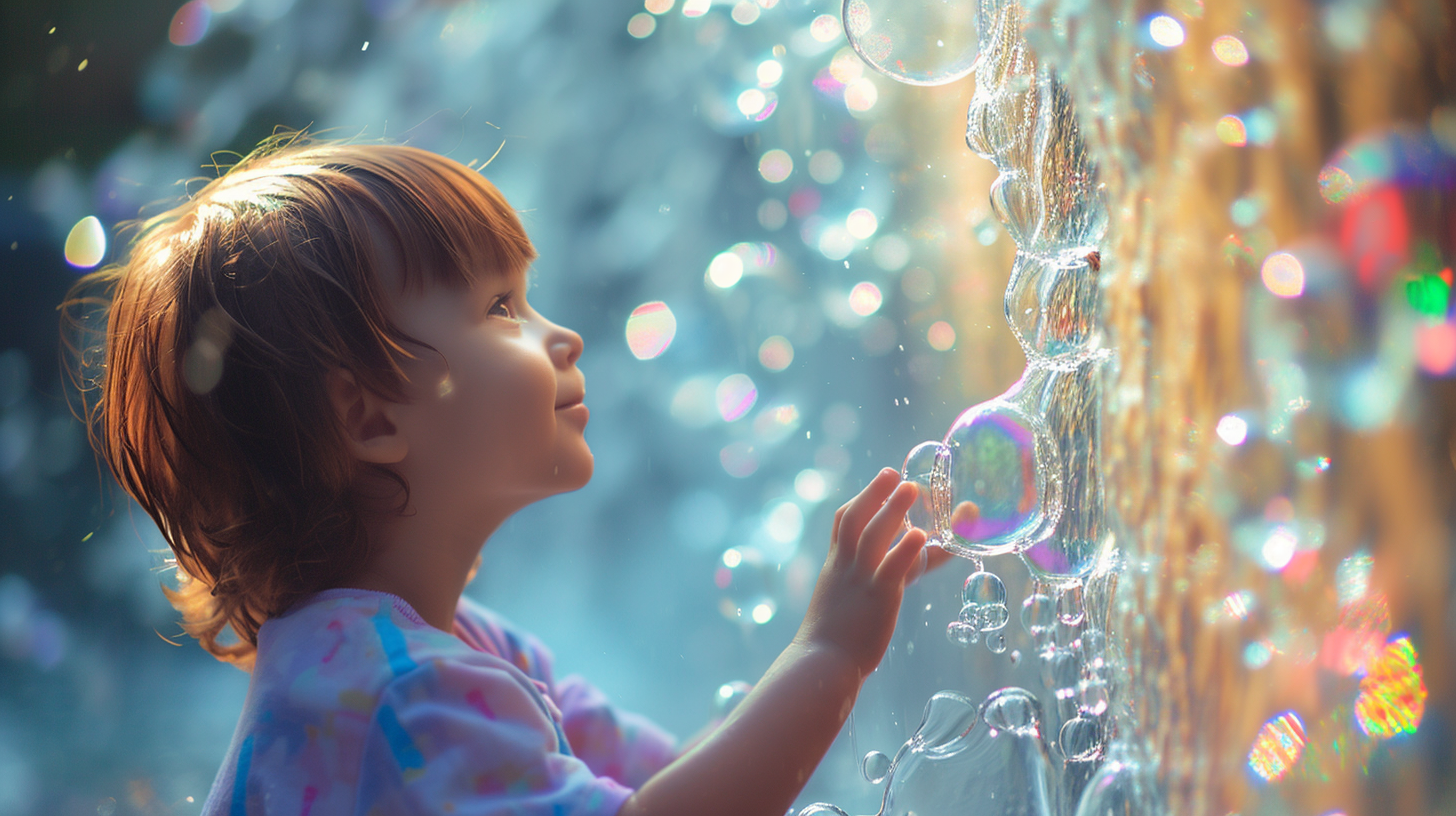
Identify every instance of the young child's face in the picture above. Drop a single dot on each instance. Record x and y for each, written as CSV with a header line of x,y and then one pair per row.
x,y
497,423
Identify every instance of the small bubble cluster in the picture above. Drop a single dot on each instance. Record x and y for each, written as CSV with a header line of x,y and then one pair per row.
x,y
983,611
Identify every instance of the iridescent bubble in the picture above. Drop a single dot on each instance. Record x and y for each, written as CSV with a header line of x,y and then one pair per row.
x,y
1393,695
650,329
996,642
999,492
986,595
875,766
925,42
86,243
735,395
189,24
825,28
962,633
1080,739
1277,747
776,353
1092,697
928,466
1230,50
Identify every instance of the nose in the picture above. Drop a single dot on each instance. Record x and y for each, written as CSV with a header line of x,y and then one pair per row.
x,y
563,344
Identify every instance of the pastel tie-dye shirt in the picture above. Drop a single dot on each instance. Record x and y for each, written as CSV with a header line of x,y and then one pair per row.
x,y
357,706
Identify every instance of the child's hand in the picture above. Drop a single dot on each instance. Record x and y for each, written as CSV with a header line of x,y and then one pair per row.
x,y
857,598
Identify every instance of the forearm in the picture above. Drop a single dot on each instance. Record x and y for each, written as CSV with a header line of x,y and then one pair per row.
x,y
758,760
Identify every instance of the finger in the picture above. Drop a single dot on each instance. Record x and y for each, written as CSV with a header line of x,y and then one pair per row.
x,y
880,532
862,508
936,557
895,568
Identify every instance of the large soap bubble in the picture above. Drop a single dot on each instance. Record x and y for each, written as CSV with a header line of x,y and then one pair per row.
x,y
917,42
1001,495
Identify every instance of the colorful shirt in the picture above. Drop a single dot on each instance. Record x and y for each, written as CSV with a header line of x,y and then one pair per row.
x,y
357,706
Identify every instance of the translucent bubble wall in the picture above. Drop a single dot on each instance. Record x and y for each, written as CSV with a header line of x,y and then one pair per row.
x,y
1212,588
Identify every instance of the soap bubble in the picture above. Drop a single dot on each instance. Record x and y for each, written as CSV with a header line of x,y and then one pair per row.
x,y
928,466
875,767
984,600
1038,613
1070,607
1080,739
962,633
1052,306
999,495
1061,671
1092,697
996,642
1011,709
920,42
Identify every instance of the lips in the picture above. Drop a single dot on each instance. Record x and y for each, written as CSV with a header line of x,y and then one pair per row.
x,y
570,403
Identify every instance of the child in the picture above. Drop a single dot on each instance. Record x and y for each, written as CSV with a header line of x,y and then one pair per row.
x,y
325,384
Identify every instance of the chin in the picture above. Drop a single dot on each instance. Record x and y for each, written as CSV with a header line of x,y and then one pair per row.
x,y
574,474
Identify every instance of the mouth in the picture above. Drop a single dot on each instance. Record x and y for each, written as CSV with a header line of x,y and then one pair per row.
x,y
570,403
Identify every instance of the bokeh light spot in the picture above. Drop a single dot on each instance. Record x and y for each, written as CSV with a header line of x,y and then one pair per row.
x,y
861,94
1165,31
1279,547
769,73
825,28
1283,275
865,299
1232,429
1230,130
86,243
650,329
745,12
1230,51
941,336
725,270
1393,694
1335,184
658,6
641,25
189,24
1278,746
825,166
739,459
776,353
810,485
775,165
1436,348
696,8
735,395
751,102
861,223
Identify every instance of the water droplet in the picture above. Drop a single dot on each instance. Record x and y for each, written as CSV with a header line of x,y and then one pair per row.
x,y
875,767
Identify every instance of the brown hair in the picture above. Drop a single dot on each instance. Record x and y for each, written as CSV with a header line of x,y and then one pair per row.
x,y
221,328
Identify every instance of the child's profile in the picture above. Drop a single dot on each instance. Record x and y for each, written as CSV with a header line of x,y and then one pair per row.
x,y
324,382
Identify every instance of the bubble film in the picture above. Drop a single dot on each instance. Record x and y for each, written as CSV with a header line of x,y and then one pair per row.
x,y
922,42
1393,695
1000,494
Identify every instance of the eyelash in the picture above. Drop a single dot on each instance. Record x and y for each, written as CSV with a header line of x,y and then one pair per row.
x,y
505,301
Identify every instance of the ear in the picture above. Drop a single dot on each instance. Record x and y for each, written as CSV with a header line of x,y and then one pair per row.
x,y
368,420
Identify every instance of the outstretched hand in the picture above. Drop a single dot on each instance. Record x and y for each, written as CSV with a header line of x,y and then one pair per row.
x,y
857,598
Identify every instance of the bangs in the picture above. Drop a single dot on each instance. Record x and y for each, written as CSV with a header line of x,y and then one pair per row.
x,y
428,219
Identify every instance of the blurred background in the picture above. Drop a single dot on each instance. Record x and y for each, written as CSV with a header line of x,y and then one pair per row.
x,y
787,275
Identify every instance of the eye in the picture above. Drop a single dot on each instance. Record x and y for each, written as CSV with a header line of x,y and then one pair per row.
x,y
503,306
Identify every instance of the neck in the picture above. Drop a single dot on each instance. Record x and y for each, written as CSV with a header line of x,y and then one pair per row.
x,y
427,564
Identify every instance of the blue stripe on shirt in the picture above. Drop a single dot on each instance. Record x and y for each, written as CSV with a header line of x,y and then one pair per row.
x,y
406,755
392,639
240,779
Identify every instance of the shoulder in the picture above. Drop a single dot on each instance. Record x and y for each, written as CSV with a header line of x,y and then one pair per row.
x,y
489,631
